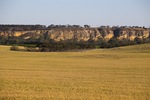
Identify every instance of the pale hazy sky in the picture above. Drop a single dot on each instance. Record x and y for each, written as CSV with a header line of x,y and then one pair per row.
x,y
80,12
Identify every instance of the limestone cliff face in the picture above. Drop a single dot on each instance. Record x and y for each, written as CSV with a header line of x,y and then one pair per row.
x,y
18,33
131,34
78,34
106,33
84,34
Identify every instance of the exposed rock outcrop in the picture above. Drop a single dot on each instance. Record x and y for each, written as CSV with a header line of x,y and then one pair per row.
x,y
132,33
84,34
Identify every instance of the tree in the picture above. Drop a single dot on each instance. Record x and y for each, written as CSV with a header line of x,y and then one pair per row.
x,y
113,42
86,26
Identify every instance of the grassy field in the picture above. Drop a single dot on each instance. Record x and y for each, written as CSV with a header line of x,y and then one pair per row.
x,y
102,74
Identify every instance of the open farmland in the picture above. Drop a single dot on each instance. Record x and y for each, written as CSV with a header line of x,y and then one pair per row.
x,y
104,74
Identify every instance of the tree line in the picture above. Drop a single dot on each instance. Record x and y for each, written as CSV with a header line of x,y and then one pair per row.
x,y
50,45
4,27
69,45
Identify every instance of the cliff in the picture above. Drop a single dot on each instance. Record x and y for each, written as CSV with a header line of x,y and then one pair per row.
x,y
84,34
132,33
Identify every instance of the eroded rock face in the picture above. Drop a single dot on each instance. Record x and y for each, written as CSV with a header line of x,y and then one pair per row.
x,y
107,34
85,34
131,34
78,34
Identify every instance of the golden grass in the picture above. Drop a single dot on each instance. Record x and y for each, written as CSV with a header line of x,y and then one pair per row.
x,y
104,74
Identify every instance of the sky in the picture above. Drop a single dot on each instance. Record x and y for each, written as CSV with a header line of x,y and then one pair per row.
x,y
80,12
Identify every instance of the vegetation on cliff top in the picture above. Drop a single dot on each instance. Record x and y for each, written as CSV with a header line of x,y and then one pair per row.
x,y
4,27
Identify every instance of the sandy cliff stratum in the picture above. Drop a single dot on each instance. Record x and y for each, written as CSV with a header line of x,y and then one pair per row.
x,y
85,34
